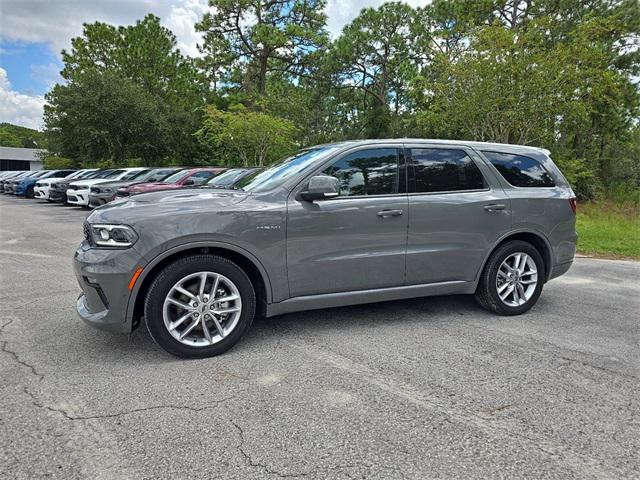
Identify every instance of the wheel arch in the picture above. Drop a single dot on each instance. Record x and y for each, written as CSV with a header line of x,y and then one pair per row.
x,y
251,266
534,238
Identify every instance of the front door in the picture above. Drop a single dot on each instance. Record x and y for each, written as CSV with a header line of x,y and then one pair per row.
x,y
355,241
457,211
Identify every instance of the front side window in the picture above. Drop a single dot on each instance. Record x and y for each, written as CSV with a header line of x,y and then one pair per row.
x,y
444,170
134,174
520,171
199,178
367,172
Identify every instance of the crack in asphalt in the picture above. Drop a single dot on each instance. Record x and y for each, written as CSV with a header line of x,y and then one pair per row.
x,y
5,348
74,418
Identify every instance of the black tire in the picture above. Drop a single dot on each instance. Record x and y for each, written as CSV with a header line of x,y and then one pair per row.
x,y
29,193
486,293
172,273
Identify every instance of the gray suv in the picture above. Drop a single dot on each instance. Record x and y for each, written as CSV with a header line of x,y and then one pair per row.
x,y
337,224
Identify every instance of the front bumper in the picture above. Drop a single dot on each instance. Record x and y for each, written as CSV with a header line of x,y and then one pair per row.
x,y
78,197
98,199
57,195
19,190
41,193
103,276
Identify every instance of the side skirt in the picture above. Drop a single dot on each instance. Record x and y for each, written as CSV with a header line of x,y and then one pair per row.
x,y
342,299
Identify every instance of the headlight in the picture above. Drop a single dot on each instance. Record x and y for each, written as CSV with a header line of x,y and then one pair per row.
x,y
106,190
117,236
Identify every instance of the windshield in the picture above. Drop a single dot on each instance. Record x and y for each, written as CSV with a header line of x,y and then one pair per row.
x,y
175,177
134,174
227,178
273,177
114,174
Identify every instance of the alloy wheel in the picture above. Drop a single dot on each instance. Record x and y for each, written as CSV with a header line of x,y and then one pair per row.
x,y
517,279
202,309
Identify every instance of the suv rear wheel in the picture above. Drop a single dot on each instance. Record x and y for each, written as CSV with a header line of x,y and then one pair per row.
x,y
512,279
199,306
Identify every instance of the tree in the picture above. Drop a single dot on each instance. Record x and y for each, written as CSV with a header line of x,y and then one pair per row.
x,y
247,138
372,61
57,163
21,137
245,41
107,117
129,93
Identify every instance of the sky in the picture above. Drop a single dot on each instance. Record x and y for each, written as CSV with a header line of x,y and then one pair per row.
x,y
34,32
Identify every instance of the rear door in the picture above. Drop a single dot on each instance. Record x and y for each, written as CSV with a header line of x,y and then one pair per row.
x,y
355,241
457,211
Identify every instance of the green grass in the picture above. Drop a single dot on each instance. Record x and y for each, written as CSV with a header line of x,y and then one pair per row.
x,y
609,230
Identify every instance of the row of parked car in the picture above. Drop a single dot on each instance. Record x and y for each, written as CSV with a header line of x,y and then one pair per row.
x,y
93,187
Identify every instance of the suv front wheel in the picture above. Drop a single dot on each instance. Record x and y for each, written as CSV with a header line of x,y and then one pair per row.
x,y
512,279
199,306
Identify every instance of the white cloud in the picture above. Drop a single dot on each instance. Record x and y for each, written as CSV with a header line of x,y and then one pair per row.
x,y
181,20
19,108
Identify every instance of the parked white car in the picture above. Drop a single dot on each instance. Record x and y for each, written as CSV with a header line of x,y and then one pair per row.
x,y
43,187
78,192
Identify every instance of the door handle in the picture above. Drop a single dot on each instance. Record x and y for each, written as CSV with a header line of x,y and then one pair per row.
x,y
494,207
389,213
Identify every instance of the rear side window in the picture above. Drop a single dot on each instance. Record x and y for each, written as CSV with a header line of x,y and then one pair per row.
x,y
367,172
444,170
520,171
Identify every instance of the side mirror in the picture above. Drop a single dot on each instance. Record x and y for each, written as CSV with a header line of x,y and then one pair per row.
x,y
189,182
321,187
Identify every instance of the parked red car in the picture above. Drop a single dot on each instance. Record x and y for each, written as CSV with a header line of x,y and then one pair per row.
x,y
183,178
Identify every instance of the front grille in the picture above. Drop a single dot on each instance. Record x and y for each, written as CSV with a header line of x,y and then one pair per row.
x,y
95,190
73,187
86,229
123,193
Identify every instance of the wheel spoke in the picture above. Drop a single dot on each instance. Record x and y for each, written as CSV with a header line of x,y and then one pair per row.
x,y
187,330
203,283
215,287
502,274
224,311
521,294
528,282
529,272
506,293
218,326
503,287
186,292
516,295
228,298
205,329
180,321
178,303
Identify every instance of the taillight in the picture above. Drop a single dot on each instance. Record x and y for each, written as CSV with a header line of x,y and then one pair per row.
x,y
574,204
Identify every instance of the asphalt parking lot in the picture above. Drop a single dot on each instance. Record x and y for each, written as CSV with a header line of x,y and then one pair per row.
x,y
427,388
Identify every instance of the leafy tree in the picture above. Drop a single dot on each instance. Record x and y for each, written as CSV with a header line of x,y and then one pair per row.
x,y
247,138
129,93
372,62
245,41
57,163
21,137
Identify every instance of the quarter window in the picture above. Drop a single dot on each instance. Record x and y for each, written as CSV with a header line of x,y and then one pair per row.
x,y
444,170
520,171
367,172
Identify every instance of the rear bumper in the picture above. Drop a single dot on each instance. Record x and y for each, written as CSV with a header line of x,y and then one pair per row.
x,y
560,269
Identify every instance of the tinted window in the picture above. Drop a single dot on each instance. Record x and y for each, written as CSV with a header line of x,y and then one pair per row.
x,y
134,174
444,170
367,172
520,171
199,178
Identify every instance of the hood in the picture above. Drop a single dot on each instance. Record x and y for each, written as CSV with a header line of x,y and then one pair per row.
x,y
117,183
155,205
146,186
88,183
51,179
